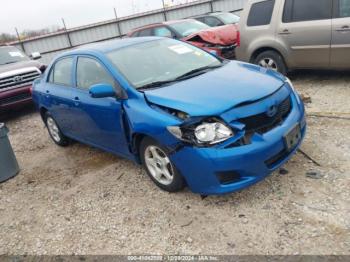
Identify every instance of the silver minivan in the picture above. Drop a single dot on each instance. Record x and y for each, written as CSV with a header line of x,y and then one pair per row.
x,y
292,34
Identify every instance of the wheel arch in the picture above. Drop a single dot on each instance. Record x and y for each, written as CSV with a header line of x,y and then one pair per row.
x,y
43,111
264,49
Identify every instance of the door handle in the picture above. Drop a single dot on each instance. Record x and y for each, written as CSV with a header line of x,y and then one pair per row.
x,y
285,32
76,101
344,28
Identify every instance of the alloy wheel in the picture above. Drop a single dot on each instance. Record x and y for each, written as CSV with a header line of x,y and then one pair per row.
x,y
53,129
159,165
268,63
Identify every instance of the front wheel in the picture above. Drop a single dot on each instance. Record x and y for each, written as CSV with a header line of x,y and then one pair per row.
x,y
159,167
271,60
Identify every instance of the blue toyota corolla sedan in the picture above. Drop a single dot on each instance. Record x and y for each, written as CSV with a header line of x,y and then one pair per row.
x,y
189,117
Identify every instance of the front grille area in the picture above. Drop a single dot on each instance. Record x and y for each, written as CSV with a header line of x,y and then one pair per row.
x,y
17,80
262,123
229,52
15,98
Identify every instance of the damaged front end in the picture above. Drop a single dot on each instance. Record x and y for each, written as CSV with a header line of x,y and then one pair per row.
x,y
222,40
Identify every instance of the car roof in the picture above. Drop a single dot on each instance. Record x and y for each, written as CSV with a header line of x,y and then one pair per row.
x,y
209,14
110,45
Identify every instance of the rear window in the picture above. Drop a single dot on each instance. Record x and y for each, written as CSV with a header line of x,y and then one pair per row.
x,y
261,13
306,10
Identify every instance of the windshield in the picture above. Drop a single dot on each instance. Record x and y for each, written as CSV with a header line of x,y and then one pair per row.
x,y
10,54
159,60
186,28
228,18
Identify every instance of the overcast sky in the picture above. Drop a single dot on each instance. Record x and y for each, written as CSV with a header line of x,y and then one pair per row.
x,y
37,14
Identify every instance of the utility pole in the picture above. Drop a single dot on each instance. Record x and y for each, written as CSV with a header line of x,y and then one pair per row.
x,y
117,21
164,11
67,33
19,40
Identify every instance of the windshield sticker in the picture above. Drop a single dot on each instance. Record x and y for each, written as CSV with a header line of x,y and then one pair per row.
x,y
180,49
16,54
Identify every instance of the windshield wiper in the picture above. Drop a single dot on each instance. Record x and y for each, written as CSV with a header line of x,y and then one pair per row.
x,y
197,71
156,84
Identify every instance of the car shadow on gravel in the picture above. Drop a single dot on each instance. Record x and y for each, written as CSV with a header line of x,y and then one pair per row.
x,y
12,115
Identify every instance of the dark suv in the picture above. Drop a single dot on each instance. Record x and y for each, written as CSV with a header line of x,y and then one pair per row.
x,y
17,73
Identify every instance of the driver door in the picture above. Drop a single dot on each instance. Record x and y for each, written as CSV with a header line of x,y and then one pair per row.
x,y
99,120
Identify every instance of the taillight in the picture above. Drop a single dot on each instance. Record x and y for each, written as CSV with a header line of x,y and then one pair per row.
x,y
238,38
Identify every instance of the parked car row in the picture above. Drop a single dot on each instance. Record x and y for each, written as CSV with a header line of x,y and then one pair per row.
x,y
188,115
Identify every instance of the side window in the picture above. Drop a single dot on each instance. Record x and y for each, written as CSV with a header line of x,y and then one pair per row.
x,y
146,32
342,8
91,72
261,13
61,73
213,21
162,31
306,10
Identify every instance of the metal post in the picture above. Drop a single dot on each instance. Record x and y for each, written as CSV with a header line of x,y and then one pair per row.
x,y
117,21
211,6
67,33
164,11
20,41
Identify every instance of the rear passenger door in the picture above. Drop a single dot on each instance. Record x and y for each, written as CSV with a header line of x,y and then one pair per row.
x,y
306,32
58,94
340,47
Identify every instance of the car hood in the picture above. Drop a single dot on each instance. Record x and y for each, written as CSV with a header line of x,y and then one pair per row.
x,y
218,90
19,65
221,35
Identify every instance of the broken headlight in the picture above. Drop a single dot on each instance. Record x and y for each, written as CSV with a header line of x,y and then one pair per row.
x,y
204,133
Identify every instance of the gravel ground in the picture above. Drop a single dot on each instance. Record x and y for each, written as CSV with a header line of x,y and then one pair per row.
x,y
79,200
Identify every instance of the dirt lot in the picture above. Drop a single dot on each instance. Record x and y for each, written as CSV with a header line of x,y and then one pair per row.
x,y
79,200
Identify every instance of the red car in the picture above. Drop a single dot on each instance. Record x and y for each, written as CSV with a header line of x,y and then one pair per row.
x,y
17,73
222,39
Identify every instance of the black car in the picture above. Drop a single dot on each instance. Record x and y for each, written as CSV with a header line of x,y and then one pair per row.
x,y
218,19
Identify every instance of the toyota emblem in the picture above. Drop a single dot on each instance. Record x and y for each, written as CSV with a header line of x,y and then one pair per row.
x,y
17,79
272,111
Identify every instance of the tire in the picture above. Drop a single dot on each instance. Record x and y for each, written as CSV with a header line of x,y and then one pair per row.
x,y
54,131
158,166
271,60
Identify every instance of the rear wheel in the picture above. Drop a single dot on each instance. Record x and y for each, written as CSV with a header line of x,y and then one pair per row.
x,y
54,131
271,60
159,167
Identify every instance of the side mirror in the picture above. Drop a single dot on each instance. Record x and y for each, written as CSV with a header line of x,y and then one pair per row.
x,y
102,90
35,55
